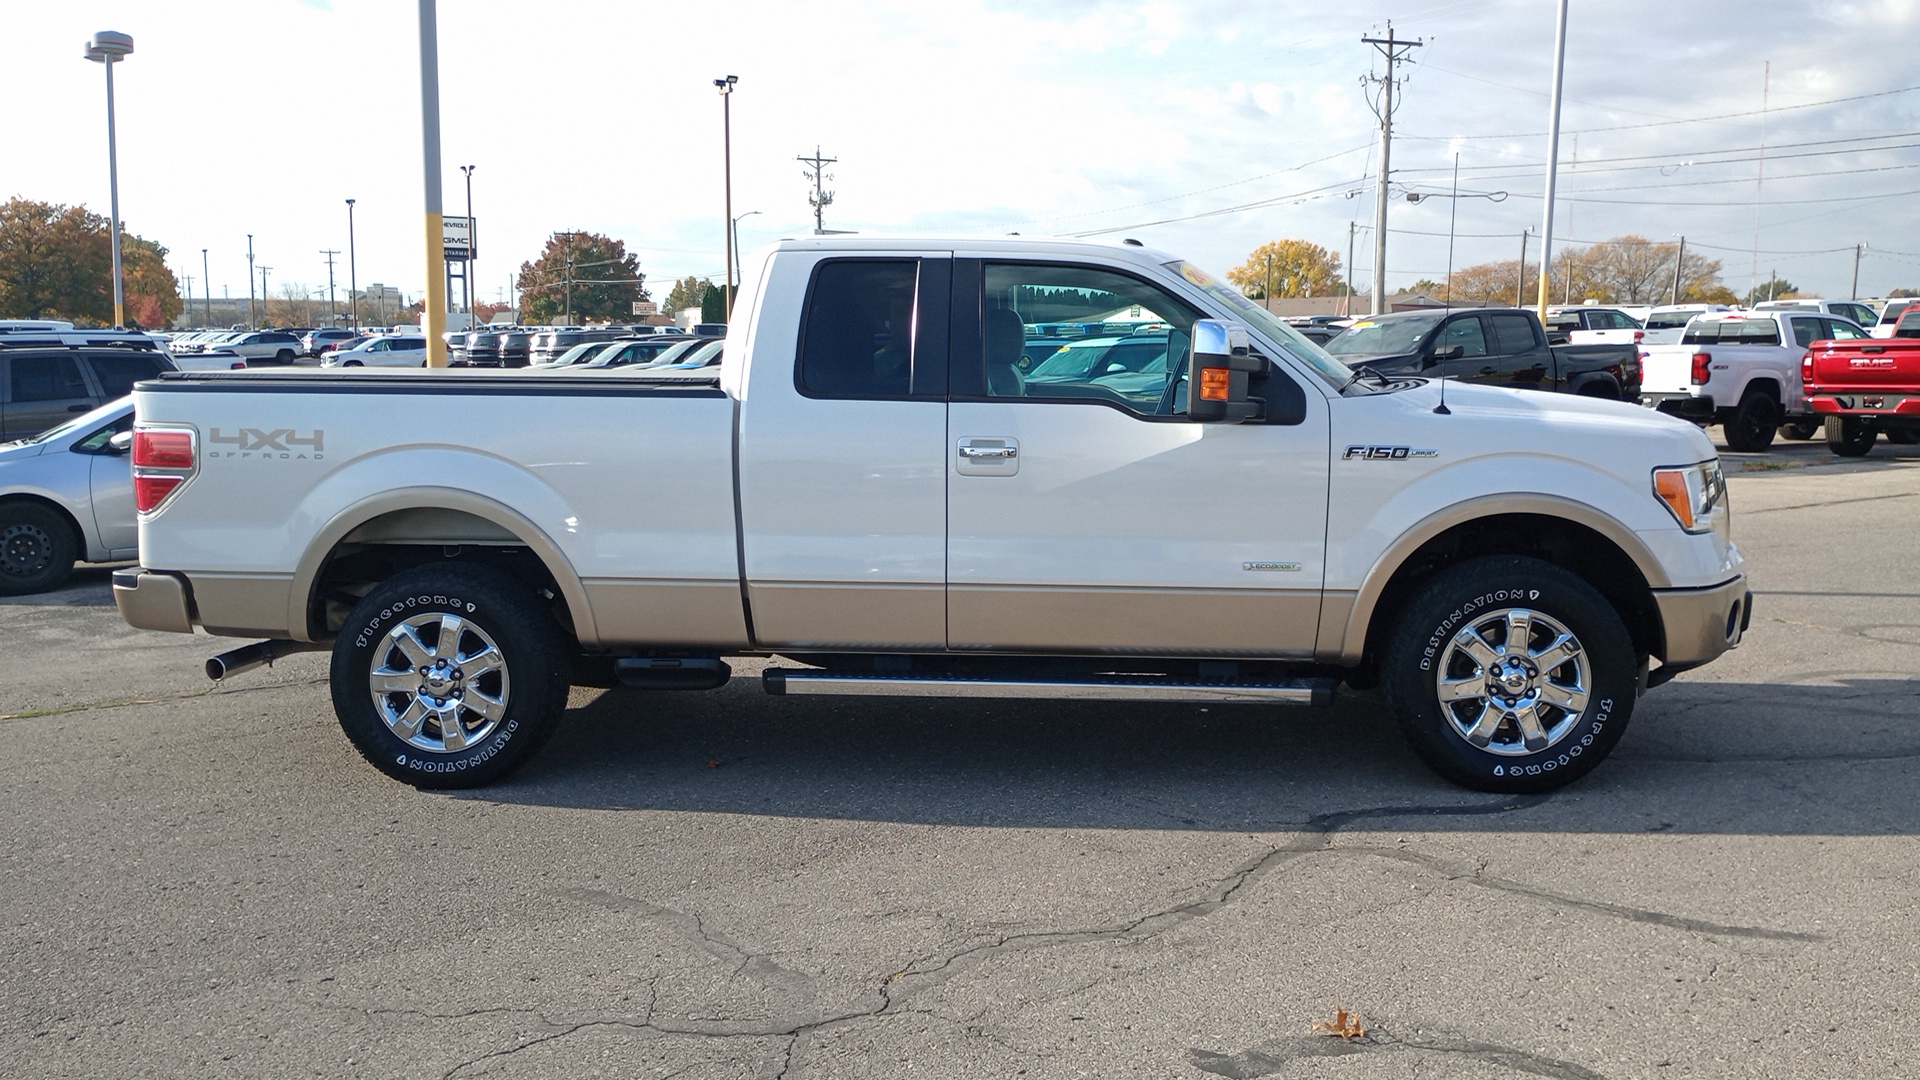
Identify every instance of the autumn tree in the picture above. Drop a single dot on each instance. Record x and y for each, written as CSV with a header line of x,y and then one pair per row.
x,y
686,293
56,262
1288,268
1634,270
605,280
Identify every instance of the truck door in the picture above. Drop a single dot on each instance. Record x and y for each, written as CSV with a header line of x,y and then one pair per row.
x,y
842,451
1520,357
1086,514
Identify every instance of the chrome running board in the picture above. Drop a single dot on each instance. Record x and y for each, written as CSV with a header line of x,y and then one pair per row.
x,y
802,681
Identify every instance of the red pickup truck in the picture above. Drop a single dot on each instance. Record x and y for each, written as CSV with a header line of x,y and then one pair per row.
x,y
1866,387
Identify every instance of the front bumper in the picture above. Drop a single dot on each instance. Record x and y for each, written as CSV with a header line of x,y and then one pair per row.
x,y
1700,624
149,600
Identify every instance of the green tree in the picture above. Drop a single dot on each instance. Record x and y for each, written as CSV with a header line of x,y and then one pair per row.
x,y
1288,268
1771,290
1428,286
1902,293
686,293
713,306
605,281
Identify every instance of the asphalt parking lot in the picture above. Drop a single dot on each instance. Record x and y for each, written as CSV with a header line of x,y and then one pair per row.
x,y
209,882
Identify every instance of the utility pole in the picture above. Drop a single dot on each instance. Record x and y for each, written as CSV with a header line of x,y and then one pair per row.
x,y
1854,293
187,307
253,320
1520,276
1679,258
264,294
568,319
330,253
1266,293
1394,50
1351,229
821,197
206,286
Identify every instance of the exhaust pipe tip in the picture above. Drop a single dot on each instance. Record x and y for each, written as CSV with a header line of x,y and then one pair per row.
x,y
247,657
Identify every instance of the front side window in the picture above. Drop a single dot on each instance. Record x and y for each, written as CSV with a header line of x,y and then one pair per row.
x,y
1841,330
857,338
1135,347
1466,333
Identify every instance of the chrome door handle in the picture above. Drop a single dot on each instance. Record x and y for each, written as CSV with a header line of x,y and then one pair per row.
x,y
977,453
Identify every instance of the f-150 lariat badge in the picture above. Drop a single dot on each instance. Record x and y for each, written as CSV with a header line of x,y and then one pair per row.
x,y
1387,453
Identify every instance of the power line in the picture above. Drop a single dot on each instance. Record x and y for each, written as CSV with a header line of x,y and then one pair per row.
x,y
1692,120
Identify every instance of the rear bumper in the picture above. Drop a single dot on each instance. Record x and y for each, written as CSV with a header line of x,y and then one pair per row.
x,y
149,600
1700,624
1691,406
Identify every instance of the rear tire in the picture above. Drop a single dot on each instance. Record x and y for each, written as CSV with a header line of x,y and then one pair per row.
x,y
449,676
1536,669
284,356
37,548
1849,436
1751,427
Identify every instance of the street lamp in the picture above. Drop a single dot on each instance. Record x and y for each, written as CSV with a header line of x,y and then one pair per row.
x,y
1453,211
353,286
109,47
253,320
473,247
736,237
206,287
726,128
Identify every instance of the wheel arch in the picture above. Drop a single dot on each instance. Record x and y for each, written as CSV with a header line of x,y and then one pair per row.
x,y
1590,544
415,521
81,546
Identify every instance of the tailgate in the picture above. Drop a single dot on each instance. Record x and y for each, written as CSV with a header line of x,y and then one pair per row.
x,y
1839,366
1667,369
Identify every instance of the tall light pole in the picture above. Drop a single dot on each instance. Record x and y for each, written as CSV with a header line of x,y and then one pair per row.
x,y
264,295
434,312
473,247
109,47
206,286
1520,277
353,285
726,138
1680,258
253,320
1553,159
737,265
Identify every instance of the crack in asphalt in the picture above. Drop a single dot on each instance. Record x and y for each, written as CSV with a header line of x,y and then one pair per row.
x,y
121,703
1314,836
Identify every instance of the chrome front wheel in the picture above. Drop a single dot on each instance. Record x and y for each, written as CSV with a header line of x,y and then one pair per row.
x,y
1513,682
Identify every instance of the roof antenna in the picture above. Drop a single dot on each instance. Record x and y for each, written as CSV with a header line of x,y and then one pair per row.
x,y
1442,407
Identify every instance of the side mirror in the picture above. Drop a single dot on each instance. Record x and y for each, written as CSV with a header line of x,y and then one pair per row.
x,y
1217,368
120,443
1445,352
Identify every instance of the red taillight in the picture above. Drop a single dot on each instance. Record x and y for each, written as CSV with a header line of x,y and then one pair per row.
x,y
1806,368
163,449
1701,371
151,491
1639,336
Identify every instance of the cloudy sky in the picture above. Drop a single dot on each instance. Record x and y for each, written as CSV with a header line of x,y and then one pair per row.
x,y
1775,136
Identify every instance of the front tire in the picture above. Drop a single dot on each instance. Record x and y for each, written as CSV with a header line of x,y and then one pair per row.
x,y
1751,427
1510,674
449,676
1849,436
37,548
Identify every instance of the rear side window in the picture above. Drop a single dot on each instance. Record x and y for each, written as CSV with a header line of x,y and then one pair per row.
x,y
857,336
1514,332
1732,332
1806,331
47,378
117,374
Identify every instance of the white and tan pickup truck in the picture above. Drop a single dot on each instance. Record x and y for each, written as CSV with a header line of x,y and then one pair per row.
x,y
881,490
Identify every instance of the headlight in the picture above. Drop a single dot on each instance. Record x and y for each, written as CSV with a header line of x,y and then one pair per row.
x,y
1695,494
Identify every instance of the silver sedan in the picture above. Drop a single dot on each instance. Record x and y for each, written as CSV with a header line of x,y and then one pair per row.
x,y
67,494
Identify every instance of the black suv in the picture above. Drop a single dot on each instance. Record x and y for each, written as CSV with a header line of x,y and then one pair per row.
x,y
43,386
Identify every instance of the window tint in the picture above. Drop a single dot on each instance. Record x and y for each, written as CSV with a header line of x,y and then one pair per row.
x,y
47,378
1465,332
1513,332
1732,332
1805,331
1133,355
117,374
857,338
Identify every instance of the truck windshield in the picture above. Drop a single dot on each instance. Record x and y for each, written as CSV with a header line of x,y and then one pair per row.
x,y
1264,321
1383,337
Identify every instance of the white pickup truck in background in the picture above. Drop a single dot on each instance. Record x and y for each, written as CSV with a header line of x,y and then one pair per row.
x,y
1741,369
1590,324
877,487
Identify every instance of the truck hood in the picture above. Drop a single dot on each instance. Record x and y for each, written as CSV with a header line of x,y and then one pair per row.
x,y
1616,436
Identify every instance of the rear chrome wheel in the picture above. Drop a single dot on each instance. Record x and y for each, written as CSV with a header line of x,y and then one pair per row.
x,y
439,682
